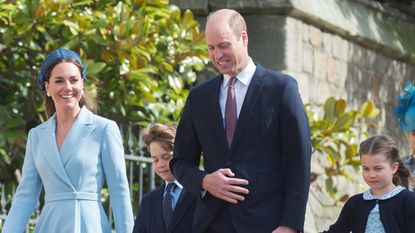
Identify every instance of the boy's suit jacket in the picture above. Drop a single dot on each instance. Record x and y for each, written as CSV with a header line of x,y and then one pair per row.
x,y
150,215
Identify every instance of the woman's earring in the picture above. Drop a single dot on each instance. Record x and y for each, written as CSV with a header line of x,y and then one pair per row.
x,y
48,94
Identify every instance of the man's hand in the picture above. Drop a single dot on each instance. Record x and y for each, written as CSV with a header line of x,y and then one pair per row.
x,y
284,229
221,185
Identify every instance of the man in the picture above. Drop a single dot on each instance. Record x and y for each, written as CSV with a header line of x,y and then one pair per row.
x,y
169,208
249,123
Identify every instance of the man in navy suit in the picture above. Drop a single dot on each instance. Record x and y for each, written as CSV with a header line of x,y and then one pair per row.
x,y
169,208
250,126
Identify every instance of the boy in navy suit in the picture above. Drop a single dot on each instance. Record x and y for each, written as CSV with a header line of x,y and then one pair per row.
x,y
169,208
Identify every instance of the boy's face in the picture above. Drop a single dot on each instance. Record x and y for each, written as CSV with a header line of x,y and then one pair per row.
x,y
161,159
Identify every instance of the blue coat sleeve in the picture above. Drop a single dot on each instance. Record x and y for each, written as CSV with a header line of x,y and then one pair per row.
x,y
27,194
115,173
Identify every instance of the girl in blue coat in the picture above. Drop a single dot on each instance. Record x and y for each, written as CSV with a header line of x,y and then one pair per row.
x,y
387,207
70,155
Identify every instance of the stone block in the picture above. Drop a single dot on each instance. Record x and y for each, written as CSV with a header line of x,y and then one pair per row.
x,y
327,43
267,38
199,7
253,6
369,58
293,44
315,36
340,73
308,58
305,32
340,48
381,64
331,67
320,65
356,54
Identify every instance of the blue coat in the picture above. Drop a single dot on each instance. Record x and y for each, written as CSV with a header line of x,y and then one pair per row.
x,y
73,178
150,215
271,148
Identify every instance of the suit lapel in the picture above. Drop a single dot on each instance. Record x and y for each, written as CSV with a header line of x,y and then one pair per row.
x,y
158,203
50,150
182,206
251,97
217,115
80,130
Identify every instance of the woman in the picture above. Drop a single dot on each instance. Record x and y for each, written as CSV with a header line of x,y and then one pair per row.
x,y
406,114
70,155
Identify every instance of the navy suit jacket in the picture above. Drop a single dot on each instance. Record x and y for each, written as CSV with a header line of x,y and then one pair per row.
x,y
150,215
271,149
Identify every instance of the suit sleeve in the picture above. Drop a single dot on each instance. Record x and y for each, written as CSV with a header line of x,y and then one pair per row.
x,y
27,194
187,151
296,151
142,217
115,173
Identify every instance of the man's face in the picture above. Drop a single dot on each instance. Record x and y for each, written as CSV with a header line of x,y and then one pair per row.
x,y
228,52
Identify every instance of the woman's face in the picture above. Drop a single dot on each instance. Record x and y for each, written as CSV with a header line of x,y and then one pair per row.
x,y
65,86
411,140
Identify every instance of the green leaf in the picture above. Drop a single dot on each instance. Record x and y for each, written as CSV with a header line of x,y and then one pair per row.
x,y
329,107
340,106
95,68
345,121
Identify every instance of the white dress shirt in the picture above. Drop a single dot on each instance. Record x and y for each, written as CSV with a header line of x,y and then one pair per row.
x,y
243,79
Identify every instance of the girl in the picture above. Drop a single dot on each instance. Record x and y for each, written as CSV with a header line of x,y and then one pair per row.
x,y
387,206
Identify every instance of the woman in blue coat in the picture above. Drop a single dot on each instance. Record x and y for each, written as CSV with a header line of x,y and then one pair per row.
x,y
70,155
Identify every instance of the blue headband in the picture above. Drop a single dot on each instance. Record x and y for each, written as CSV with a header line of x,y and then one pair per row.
x,y
406,108
58,54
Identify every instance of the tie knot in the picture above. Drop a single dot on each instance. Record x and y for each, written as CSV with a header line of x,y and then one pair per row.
x,y
170,187
232,81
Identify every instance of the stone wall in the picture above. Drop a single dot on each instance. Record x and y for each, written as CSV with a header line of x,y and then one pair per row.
x,y
350,49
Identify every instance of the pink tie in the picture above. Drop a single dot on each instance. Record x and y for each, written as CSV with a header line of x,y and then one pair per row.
x,y
230,111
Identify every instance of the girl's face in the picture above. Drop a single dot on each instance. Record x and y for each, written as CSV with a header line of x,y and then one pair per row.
x,y
411,139
378,173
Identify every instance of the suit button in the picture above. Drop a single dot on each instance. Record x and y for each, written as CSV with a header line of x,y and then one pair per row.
x,y
228,163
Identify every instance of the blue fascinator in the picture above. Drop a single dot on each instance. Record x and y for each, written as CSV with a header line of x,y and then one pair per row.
x,y
58,54
406,108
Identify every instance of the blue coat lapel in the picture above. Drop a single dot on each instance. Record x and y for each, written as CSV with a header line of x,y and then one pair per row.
x,y
82,127
80,130
50,150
